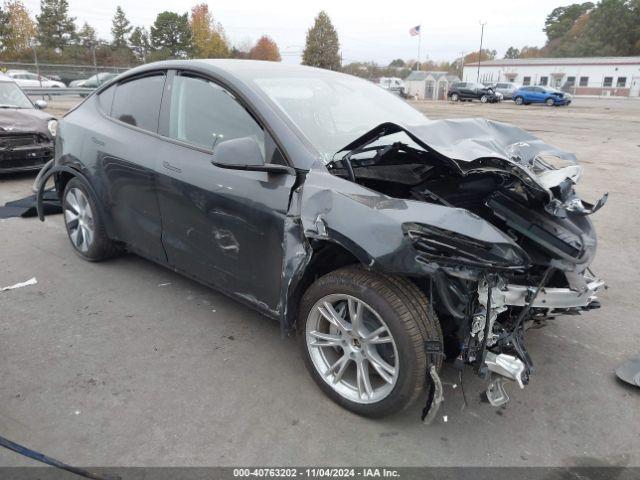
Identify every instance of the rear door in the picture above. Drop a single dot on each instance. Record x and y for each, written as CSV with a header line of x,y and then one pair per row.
x,y
223,227
125,152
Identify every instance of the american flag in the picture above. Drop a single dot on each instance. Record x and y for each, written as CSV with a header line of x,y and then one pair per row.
x,y
415,31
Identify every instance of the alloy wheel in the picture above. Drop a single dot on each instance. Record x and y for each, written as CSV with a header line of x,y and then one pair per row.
x,y
79,219
352,348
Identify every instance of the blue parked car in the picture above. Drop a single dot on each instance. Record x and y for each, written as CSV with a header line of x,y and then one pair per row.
x,y
550,96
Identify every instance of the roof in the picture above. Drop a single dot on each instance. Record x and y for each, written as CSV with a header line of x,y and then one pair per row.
x,y
6,78
419,75
514,62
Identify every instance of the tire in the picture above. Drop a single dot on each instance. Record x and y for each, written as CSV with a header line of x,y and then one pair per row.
x,y
455,97
550,102
84,226
484,99
393,304
519,100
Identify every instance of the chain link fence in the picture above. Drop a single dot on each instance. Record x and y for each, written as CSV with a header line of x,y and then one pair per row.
x,y
63,72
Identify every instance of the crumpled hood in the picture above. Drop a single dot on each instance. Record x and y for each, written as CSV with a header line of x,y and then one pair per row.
x,y
469,139
476,143
24,120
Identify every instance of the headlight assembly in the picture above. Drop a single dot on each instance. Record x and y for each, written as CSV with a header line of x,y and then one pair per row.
x,y
53,127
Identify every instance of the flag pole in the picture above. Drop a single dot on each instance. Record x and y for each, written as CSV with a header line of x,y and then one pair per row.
x,y
419,42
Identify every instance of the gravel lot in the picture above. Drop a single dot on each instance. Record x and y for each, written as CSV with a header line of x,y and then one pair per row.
x,y
127,363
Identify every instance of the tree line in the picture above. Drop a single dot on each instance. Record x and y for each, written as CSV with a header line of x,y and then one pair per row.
x,y
54,37
608,28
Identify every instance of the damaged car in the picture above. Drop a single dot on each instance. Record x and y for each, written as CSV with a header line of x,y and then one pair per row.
x,y
385,240
26,132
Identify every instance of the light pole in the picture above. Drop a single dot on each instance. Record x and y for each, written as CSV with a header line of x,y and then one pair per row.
x,y
33,43
482,24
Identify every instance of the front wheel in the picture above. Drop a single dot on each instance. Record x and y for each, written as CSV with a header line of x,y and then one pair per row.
x,y
550,102
362,338
519,100
484,99
455,97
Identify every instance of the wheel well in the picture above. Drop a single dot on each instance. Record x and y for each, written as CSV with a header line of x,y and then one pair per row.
x,y
327,256
61,180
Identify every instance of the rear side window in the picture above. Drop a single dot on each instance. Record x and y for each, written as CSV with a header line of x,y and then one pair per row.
x,y
137,102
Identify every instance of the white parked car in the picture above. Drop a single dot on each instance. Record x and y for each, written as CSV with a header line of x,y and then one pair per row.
x,y
27,79
393,84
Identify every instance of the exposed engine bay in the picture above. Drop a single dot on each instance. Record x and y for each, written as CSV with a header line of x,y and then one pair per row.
x,y
486,292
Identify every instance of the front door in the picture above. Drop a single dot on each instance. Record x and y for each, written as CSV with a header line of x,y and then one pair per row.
x,y
223,227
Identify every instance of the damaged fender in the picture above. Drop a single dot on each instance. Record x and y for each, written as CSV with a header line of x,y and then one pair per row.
x,y
375,227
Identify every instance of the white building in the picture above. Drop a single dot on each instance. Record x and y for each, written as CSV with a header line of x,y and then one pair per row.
x,y
429,85
619,76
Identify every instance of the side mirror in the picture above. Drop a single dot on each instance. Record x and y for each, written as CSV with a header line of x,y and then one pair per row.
x,y
238,151
244,154
40,104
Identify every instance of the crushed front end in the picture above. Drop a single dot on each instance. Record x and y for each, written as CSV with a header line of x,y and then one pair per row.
x,y
504,240
24,151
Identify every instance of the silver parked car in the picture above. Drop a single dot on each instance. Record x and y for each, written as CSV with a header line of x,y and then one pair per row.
x,y
507,89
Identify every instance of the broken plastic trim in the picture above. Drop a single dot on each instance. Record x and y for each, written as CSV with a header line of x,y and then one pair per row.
x,y
440,245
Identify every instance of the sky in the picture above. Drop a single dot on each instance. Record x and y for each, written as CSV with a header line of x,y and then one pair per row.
x,y
368,30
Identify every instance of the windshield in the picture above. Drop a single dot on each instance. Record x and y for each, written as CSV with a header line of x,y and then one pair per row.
x,y
333,110
12,97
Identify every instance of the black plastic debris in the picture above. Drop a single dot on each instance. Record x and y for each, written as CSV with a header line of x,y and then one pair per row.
x,y
26,207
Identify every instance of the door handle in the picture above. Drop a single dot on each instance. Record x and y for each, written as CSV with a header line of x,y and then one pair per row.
x,y
170,167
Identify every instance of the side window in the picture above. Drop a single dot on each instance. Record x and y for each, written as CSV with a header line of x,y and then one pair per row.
x,y
137,102
205,114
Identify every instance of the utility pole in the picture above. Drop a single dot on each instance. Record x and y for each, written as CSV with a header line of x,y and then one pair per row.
x,y
461,66
482,24
33,43
95,64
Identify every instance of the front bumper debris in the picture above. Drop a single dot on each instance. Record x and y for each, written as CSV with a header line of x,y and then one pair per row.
x,y
552,298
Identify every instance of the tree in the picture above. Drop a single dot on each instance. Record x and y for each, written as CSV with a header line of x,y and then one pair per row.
x,y
120,29
561,19
265,49
512,52
140,44
56,29
171,36
531,52
4,31
87,36
397,63
18,29
486,54
322,47
209,39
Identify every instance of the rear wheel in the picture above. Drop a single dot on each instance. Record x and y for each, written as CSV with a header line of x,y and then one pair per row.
x,y
84,225
519,100
362,338
455,97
